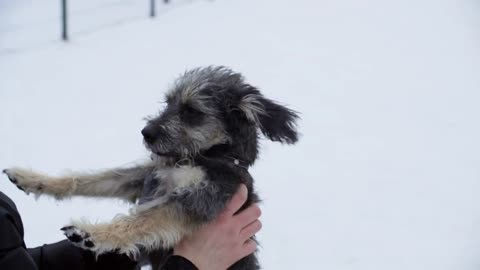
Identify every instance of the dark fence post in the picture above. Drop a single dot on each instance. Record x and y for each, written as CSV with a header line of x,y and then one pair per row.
x,y
64,21
152,8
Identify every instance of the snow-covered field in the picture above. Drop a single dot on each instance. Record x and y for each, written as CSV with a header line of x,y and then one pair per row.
x,y
387,172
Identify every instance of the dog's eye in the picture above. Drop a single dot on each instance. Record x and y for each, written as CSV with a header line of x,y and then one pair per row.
x,y
190,115
188,111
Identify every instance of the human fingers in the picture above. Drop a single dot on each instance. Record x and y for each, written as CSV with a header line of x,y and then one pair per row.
x,y
248,248
238,199
248,215
250,230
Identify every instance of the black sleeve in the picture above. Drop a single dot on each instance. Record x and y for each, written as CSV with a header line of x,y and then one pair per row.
x,y
64,255
178,263
13,254
58,256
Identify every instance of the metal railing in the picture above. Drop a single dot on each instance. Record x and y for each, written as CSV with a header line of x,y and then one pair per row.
x,y
64,10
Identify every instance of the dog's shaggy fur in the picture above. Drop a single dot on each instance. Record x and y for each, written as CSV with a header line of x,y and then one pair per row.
x,y
202,145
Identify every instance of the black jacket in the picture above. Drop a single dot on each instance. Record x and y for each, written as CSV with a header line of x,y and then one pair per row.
x,y
58,256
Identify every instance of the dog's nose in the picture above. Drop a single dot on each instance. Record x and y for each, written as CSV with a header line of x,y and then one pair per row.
x,y
149,134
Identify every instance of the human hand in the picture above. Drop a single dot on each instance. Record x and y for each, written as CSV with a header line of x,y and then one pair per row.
x,y
224,241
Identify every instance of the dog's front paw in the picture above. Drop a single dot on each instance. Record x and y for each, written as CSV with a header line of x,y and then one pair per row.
x,y
25,180
78,237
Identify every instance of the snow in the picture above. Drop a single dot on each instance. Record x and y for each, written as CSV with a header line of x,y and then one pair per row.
x,y
386,175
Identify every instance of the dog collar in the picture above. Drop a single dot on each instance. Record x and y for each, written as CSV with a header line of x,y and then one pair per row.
x,y
239,163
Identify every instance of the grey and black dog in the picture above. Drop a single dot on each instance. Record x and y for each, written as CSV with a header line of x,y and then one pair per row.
x,y
201,146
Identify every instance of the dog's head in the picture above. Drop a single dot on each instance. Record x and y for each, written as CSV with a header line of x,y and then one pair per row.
x,y
211,108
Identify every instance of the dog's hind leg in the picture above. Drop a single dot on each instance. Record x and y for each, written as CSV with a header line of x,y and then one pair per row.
x,y
124,183
155,228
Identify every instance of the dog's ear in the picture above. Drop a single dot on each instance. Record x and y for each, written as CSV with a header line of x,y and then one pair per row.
x,y
277,122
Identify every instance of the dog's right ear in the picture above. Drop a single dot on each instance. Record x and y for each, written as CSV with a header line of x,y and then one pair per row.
x,y
277,122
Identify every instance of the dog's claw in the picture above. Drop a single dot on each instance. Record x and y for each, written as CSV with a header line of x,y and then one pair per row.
x,y
66,228
89,244
11,178
78,237
19,180
74,238
14,181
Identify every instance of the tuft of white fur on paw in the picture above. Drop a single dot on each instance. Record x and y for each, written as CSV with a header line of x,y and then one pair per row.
x,y
87,236
40,184
78,237
25,180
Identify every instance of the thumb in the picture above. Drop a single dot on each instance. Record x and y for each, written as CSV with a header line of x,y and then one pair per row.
x,y
237,201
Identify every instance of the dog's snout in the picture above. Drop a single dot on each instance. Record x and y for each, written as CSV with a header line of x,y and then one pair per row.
x,y
149,134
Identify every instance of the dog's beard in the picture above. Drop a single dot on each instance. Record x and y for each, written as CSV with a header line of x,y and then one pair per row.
x,y
189,142
160,150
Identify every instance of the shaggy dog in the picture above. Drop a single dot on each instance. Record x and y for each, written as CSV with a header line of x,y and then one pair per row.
x,y
202,145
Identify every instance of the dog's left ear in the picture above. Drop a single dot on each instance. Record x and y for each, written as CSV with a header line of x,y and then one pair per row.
x,y
277,122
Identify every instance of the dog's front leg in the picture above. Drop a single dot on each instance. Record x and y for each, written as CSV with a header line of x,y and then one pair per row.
x,y
124,183
149,229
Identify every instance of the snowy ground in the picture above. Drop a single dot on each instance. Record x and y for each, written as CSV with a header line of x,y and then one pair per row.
x,y
386,175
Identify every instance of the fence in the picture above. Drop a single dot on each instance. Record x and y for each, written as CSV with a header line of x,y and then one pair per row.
x,y
64,10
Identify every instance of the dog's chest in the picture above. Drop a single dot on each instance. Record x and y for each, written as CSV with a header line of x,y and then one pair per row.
x,y
171,181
